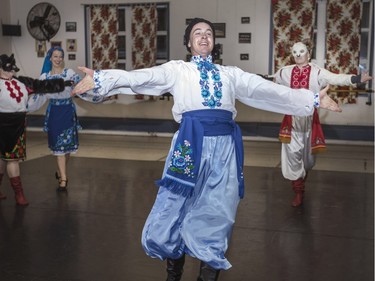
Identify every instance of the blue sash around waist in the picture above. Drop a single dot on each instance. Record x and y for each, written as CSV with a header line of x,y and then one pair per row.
x,y
183,168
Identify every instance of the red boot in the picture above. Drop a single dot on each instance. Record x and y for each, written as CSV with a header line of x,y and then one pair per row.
x,y
18,191
2,196
299,190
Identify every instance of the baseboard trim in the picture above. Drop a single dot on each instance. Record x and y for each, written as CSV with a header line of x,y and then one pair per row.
x,y
137,126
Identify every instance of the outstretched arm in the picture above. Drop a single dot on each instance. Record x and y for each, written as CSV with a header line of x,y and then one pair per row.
x,y
326,102
44,86
86,84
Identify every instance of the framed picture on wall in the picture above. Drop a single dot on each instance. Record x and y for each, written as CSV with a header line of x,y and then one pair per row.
x,y
244,56
219,30
71,45
55,44
244,38
70,26
40,46
71,56
245,20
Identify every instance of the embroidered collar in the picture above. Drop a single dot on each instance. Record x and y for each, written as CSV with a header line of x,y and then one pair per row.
x,y
205,66
63,74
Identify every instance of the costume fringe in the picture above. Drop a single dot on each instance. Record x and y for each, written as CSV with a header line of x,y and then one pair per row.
x,y
318,149
285,138
175,187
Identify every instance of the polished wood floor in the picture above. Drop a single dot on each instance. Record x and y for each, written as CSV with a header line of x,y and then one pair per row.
x,y
92,232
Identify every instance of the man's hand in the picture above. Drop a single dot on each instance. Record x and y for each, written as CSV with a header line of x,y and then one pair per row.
x,y
326,102
365,77
86,84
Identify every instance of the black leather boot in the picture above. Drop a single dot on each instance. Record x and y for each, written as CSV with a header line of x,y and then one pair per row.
x,y
175,268
208,273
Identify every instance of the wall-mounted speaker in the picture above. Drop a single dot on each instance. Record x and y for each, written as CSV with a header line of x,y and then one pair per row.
x,y
11,30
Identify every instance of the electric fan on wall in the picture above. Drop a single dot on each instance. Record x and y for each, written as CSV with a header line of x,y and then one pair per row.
x,y
43,21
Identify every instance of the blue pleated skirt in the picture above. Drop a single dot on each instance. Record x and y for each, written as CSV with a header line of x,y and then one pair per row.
x,y
201,225
61,124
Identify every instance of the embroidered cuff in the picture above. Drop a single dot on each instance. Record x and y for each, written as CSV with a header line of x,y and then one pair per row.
x,y
316,100
96,78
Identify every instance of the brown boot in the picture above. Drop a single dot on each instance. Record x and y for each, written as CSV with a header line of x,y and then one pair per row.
x,y
2,196
299,190
18,191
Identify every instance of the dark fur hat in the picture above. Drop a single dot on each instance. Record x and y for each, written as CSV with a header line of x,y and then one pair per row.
x,y
190,27
8,63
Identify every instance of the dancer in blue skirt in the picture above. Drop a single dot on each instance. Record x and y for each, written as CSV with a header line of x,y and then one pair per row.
x,y
61,121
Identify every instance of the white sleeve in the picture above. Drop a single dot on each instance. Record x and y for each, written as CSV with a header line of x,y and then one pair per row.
x,y
154,81
35,102
255,91
327,77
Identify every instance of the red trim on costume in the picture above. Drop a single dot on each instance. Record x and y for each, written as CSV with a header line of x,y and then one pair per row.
x,y
286,129
300,80
14,90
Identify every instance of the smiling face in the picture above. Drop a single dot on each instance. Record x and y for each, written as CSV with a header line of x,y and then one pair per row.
x,y
300,53
201,40
57,59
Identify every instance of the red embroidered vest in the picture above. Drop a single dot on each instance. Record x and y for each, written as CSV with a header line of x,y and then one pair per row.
x,y
300,80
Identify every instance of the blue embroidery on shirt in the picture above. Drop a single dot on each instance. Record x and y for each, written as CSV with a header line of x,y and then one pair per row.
x,y
205,66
